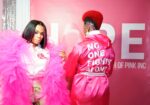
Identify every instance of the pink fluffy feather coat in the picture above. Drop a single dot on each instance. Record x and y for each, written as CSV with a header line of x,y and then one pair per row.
x,y
15,83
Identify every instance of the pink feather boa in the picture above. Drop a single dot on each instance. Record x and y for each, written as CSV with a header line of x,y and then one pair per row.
x,y
15,83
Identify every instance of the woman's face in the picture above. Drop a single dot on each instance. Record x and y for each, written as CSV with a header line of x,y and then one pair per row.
x,y
38,36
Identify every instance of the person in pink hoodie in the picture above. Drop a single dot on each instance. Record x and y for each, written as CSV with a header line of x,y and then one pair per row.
x,y
31,69
90,64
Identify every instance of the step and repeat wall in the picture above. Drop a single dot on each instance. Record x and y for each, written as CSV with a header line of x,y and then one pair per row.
x,y
126,22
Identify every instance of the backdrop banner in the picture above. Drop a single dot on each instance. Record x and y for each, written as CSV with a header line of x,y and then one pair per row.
x,y
126,22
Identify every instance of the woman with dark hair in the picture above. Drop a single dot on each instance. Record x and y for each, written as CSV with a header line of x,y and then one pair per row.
x,y
29,32
31,71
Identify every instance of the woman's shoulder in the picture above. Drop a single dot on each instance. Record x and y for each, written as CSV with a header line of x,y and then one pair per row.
x,y
10,38
54,48
12,41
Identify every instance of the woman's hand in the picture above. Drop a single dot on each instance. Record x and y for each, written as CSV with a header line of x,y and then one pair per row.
x,y
63,55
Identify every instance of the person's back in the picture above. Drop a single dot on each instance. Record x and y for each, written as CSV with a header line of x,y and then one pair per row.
x,y
88,67
96,54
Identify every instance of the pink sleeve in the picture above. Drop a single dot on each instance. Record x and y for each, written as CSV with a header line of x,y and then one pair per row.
x,y
112,57
71,64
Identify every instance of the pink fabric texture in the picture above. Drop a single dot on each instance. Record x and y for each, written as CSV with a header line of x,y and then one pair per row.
x,y
16,86
87,69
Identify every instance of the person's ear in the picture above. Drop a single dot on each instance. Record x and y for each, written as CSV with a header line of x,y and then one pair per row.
x,y
88,28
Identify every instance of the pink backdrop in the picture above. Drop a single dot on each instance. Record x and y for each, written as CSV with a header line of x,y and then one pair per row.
x,y
126,22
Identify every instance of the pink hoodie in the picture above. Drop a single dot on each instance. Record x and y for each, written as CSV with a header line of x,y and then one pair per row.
x,y
87,69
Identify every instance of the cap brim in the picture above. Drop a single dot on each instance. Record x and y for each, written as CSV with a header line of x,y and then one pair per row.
x,y
96,16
